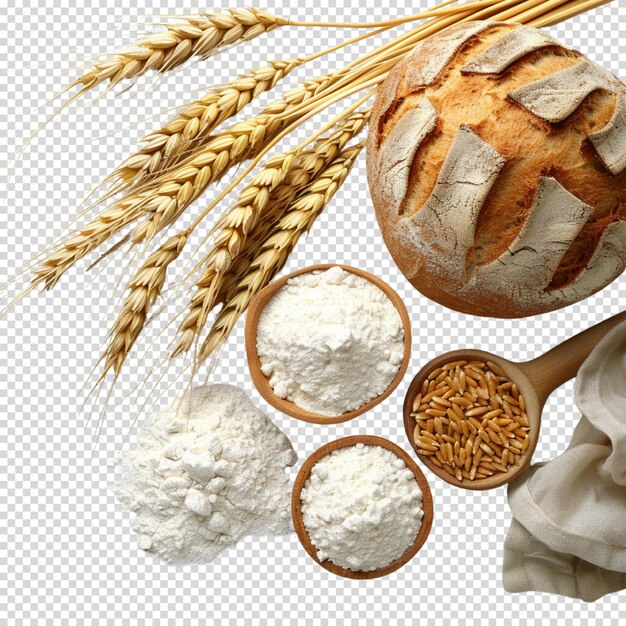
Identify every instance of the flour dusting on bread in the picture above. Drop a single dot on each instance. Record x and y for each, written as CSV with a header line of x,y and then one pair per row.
x,y
531,261
445,224
610,142
513,46
431,56
558,95
399,150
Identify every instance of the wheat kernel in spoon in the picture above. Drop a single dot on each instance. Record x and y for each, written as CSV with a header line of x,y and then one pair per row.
x,y
465,428
496,369
453,365
433,375
477,412
461,401
441,401
503,439
470,381
417,402
425,444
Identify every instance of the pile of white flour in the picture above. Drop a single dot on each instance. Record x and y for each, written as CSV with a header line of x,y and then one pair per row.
x,y
361,507
330,341
209,469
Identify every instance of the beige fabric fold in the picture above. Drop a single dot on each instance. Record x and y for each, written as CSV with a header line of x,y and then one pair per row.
x,y
568,534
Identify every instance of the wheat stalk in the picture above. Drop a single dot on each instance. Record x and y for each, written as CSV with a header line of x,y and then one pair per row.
x,y
195,36
144,289
275,250
205,34
181,134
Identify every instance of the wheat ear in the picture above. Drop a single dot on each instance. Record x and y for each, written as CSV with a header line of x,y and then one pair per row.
x,y
168,197
245,227
88,238
144,289
195,36
255,198
275,250
242,218
163,147
237,223
161,207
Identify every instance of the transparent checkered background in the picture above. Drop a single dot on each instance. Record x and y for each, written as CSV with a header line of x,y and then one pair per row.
x,y
67,553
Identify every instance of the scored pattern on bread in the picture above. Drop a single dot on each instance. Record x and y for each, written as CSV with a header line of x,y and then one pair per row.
x,y
449,215
431,56
532,259
528,265
515,45
605,265
555,97
610,142
399,151
510,220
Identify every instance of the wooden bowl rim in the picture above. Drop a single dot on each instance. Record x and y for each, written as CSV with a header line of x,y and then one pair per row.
x,y
516,374
427,505
254,364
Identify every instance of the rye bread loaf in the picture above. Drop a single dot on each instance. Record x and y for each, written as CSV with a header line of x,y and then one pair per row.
x,y
496,162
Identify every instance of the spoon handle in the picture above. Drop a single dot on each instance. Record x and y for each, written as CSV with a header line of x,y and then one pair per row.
x,y
558,365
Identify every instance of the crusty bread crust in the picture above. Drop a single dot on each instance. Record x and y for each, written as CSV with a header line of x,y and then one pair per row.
x,y
495,125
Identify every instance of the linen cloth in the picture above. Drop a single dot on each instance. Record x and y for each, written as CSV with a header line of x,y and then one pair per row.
x,y
568,533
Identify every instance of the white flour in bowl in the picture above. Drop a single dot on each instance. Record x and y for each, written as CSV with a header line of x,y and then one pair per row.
x,y
330,341
361,507
209,469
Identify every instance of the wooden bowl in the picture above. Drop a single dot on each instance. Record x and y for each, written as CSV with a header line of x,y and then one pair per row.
x,y
296,511
514,372
260,380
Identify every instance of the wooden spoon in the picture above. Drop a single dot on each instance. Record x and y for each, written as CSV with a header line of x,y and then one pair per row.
x,y
536,380
303,476
254,363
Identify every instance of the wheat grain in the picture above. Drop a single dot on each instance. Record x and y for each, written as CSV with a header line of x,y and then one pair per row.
x,y
200,36
163,147
144,289
477,438
274,253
